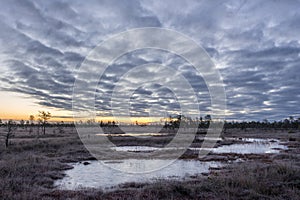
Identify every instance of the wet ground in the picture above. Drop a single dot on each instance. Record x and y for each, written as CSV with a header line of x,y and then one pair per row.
x,y
110,173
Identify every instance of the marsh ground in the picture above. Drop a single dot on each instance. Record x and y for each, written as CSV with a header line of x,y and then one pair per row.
x,y
29,167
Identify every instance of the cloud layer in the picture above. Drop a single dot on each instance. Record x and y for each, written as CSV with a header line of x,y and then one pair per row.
x,y
254,44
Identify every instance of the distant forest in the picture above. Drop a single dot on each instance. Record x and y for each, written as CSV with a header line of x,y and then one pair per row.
x,y
171,122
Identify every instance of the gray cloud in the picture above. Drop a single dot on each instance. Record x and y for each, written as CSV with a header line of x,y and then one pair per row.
x,y
255,45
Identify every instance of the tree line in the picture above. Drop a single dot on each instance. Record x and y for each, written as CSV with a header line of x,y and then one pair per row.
x,y
11,126
204,122
43,117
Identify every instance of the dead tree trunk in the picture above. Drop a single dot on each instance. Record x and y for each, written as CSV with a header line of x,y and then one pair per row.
x,y
11,127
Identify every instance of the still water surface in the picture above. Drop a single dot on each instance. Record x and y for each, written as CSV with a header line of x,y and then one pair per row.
x,y
103,174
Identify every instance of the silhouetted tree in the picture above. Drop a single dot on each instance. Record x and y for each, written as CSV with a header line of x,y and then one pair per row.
x,y
60,126
31,119
39,123
27,124
207,120
207,117
44,116
11,127
22,123
90,122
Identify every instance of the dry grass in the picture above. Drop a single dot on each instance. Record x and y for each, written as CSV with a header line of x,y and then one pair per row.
x,y
29,168
245,181
260,181
25,175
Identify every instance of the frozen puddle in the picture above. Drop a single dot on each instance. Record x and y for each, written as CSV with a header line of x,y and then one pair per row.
x,y
99,175
104,174
253,146
131,134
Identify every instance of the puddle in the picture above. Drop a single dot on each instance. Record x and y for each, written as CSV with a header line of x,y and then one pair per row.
x,y
254,146
136,148
98,175
131,134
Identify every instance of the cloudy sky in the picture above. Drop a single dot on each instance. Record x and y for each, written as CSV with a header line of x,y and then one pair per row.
x,y
255,45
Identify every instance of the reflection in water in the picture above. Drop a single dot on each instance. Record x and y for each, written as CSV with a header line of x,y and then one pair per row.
x,y
135,148
131,134
98,175
254,146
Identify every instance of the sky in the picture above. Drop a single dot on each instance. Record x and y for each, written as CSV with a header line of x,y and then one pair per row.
x,y
255,45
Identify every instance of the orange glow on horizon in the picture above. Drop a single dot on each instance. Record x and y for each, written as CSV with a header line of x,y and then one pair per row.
x,y
132,120
19,107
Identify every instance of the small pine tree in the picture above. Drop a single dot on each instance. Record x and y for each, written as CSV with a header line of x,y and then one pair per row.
x,y
44,116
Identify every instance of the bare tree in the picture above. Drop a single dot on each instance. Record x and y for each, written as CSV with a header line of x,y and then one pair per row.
x,y
22,123
39,122
31,119
27,124
11,127
60,127
44,116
